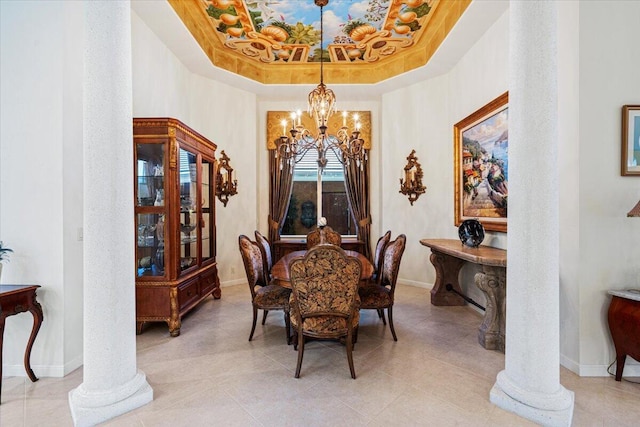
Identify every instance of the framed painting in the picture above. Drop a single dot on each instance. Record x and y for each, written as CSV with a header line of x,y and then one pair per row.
x,y
631,140
481,165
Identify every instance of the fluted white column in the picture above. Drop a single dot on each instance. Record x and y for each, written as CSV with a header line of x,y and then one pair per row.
x,y
111,385
530,383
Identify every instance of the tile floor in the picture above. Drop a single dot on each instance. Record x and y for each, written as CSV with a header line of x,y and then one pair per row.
x,y
435,375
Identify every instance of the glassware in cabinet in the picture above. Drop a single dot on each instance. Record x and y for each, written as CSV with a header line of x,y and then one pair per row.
x,y
150,244
150,189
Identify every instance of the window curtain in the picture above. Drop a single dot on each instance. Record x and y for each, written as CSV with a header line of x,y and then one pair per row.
x,y
281,178
356,181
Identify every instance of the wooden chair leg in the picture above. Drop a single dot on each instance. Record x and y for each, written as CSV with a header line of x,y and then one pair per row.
x,y
381,315
287,326
349,342
264,316
300,353
390,314
255,318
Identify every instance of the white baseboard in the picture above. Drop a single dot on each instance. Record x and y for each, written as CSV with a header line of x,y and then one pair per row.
x,y
51,371
415,283
232,282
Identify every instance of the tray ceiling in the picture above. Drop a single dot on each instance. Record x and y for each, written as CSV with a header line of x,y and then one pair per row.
x,y
278,41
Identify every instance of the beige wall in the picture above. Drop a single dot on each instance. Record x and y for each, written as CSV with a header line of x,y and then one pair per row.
x,y
421,117
41,178
609,242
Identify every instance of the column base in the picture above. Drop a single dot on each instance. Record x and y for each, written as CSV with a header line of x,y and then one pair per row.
x,y
550,410
89,408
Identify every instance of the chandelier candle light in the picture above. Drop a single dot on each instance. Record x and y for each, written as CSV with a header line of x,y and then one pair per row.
x,y
348,146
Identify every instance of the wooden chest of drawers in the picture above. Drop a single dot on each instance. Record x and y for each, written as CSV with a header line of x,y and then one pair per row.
x,y
624,324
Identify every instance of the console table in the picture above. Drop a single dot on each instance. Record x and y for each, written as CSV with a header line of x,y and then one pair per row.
x,y
448,256
624,324
16,299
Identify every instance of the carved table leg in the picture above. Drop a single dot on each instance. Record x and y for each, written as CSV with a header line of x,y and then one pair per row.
x,y
2,317
36,311
492,281
447,272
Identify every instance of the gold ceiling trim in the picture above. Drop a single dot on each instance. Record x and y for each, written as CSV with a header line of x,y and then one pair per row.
x,y
396,61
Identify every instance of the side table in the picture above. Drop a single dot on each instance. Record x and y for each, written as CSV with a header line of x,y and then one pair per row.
x,y
624,324
16,299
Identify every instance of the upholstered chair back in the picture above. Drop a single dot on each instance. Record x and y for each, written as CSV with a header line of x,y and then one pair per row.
x,y
253,265
325,282
391,262
332,237
383,241
267,257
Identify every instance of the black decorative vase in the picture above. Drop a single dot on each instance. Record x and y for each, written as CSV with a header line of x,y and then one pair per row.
x,y
471,233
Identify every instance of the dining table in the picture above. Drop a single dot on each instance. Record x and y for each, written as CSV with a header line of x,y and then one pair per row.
x,y
280,270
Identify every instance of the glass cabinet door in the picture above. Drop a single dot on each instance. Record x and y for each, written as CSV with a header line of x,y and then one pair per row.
x,y
150,244
150,175
150,208
208,246
188,209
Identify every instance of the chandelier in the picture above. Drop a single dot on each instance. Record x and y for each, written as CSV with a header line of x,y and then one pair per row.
x,y
347,145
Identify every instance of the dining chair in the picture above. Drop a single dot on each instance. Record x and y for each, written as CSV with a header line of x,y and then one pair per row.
x,y
315,237
264,295
267,261
378,295
324,298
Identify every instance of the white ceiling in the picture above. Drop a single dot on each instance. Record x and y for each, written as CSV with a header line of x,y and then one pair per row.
x,y
160,17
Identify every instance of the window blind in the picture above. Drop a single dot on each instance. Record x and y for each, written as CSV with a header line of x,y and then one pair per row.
x,y
306,168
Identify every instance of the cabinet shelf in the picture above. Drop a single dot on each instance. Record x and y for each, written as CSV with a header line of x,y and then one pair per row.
x,y
176,264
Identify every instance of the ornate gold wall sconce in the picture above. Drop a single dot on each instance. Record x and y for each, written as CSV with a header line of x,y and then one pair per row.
x,y
226,185
411,185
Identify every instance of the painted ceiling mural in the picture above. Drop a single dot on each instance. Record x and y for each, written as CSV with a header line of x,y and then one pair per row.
x,y
278,41
288,31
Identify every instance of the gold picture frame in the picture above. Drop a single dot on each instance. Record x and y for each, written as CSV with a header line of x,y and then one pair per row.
x,y
480,159
630,164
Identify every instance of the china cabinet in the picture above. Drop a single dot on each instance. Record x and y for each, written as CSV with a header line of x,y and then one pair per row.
x,y
174,189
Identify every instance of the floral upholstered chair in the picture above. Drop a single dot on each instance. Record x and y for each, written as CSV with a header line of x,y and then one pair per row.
x,y
324,298
379,295
264,296
323,235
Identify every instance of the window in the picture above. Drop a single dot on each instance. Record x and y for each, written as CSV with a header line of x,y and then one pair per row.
x,y
305,207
